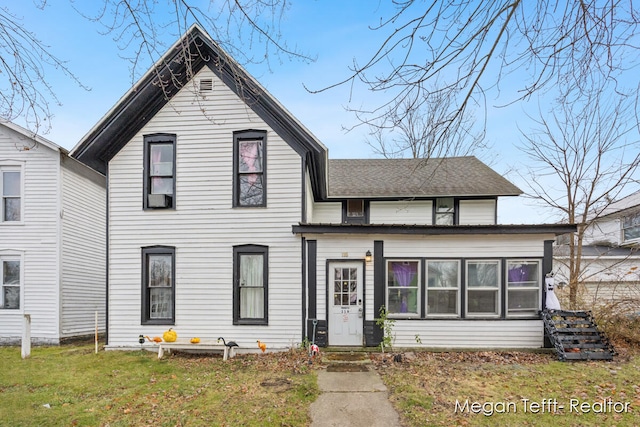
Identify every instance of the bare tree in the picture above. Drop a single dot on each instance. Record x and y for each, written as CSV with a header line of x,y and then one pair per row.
x,y
423,131
25,62
249,30
584,156
470,47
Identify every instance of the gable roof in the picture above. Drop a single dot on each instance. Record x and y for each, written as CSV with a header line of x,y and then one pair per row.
x,y
32,136
147,97
622,206
380,178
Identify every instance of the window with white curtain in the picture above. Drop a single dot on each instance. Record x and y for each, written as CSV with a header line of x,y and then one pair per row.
x,y
250,284
158,285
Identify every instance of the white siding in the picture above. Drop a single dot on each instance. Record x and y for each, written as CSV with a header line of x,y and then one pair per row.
x,y
36,238
434,332
477,212
469,334
204,227
327,213
401,212
83,251
604,231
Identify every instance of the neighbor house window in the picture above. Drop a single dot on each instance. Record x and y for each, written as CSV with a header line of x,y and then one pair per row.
x,y
444,211
631,227
483,288
403,290
523,288
159,171
443,285
158,285
11,192
10,278
250,189
250,278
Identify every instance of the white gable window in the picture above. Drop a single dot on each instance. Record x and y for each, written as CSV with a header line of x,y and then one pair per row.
x,y
523,287
403,288
631,227
483,288
11,280
11,192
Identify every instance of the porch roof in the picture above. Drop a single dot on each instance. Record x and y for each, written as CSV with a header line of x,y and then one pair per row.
x,y
556,229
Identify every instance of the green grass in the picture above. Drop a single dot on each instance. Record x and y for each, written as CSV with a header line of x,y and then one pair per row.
x,y
116,388
425,389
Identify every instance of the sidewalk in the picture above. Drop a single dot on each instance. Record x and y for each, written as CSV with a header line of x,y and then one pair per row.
x,y
352,399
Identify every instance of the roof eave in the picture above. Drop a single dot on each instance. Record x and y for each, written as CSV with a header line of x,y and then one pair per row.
x,y
416,229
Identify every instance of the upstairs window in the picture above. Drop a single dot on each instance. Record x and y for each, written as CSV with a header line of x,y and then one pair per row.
x,y
250,189
631,227
159,171
444,211
355,211
11,193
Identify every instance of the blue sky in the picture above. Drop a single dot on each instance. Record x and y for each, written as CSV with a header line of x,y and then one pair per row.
x,y
316,28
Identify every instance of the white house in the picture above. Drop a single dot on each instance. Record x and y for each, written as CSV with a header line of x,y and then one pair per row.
x,y
52,240
226,218
610,255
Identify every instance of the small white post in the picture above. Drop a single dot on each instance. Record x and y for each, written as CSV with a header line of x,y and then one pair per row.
x,y
96,332
26,336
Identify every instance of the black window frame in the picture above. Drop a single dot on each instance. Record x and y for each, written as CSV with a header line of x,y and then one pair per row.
x,y
146,290
346,219
238,251
149,140
454,214
238,137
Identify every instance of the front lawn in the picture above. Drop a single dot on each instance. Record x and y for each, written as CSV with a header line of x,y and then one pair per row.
x,y
72,386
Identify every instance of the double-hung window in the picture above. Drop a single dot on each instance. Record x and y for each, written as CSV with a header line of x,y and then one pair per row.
x,y
631,227
403,288
10,279
159,171
11,193
249,169
445,211
523,287
158,285
483,288
443,285
250,289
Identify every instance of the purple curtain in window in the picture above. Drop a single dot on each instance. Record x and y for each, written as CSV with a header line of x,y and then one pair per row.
x,y
404,274
520,273
249,158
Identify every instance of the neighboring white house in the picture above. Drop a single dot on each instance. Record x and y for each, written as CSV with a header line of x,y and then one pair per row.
x,y
52,240
226,218
610,255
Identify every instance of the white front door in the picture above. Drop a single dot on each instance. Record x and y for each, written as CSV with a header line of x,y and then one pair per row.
x,y
346,315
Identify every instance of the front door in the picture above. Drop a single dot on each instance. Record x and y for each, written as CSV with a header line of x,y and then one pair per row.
x,y
346,315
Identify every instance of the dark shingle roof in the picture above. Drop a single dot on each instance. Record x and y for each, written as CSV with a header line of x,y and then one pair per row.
x,y
379,178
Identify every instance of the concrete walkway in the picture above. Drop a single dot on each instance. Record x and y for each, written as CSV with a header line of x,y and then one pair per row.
x,y
356,399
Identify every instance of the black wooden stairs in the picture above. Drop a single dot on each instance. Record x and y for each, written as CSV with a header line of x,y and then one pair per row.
x,y
575,335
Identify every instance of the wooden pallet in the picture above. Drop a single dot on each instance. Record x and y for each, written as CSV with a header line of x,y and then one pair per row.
x,y
575,335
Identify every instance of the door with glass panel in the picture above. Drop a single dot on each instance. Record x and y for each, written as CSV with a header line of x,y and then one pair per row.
x,y
346,308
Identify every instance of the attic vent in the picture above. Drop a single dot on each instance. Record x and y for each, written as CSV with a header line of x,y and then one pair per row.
x,y
206,85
